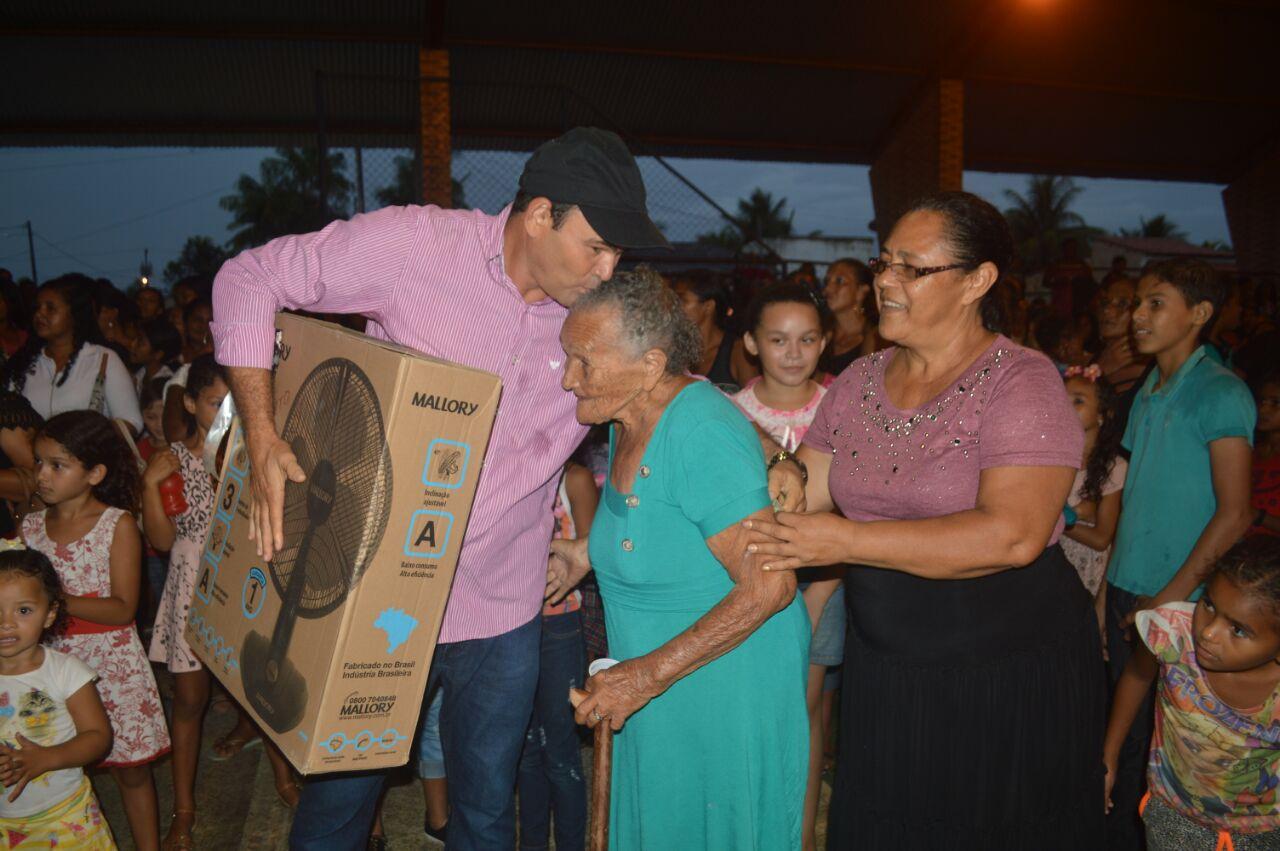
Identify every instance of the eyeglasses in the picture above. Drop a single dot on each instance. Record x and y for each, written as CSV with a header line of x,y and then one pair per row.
x,y
907,272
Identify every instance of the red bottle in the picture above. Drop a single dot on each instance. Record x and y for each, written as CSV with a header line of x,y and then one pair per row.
x,y
171,495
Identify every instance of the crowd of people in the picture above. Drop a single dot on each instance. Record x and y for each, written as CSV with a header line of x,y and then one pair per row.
x,y
1009,565
105,403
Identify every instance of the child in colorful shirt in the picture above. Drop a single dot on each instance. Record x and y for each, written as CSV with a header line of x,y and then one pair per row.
x,y
52,722
1214,763
1186,493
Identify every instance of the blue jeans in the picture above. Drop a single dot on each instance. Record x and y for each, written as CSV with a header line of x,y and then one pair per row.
x,y
1124,826
551,766
430,751
488,697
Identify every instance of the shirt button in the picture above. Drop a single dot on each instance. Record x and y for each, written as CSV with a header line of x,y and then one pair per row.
x,y
627,545
633,501
644,471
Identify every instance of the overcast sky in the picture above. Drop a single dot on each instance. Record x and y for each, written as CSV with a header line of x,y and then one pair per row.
x,y
96,209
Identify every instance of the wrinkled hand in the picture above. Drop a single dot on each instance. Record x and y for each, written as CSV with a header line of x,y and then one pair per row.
x,y
802,540
19,766
567,564
786,487
614,694
161,465
271,466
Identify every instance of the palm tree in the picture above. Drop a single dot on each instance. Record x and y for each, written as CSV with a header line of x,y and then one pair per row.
x,y
1043,217
1158,226
759,217
763,217
200,256
286,197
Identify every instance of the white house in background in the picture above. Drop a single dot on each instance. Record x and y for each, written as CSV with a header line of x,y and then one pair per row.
x,y
1139,251
821,250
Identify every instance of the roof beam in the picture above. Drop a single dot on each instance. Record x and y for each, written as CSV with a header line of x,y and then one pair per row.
x,y
432,26
1085,167
855,65
213,129
689,145
1137,92
230,32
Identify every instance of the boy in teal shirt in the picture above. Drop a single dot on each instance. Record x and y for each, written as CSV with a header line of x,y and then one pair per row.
x,y
1186,495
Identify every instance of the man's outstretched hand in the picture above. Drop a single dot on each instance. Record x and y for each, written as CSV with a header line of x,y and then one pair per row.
x,y
271,466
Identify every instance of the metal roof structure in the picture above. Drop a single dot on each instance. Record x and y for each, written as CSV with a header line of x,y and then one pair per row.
x,y
1162,247
1162,89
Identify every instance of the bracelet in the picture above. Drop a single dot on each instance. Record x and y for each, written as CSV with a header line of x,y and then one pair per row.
x,y
784,455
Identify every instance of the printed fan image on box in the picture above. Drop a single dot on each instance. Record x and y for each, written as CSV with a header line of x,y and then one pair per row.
x,y
333,523
328,645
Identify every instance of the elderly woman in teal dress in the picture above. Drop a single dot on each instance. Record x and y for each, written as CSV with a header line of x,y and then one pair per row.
x,y
709,697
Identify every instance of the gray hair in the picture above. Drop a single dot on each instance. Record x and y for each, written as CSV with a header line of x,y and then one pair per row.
x,y
649,317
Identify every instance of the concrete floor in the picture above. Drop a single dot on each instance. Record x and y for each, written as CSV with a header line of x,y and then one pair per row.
x,y
239,807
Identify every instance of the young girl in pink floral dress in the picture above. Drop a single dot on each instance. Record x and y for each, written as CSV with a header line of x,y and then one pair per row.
x,y
87,476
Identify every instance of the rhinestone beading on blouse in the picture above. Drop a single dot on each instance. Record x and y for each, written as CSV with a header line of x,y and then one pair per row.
x,y
905,440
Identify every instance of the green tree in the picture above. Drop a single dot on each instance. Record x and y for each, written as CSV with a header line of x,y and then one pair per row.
x,y
759,216
1042,217
200,256
406,190
285,198
1158,226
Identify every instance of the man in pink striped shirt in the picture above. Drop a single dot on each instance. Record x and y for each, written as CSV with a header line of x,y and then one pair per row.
x,y
489,292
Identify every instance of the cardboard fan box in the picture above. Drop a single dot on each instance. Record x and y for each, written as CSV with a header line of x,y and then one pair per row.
x,y
329,644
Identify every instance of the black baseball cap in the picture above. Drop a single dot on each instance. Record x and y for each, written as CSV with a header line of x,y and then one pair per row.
x,y
593,170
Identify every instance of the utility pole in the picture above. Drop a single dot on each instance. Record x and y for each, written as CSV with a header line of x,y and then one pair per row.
x,y
31,252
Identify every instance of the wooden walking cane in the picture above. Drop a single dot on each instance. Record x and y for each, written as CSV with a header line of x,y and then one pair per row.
x,y
601,766
601,776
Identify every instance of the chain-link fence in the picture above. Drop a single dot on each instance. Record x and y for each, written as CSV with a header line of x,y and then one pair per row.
x,y
486,180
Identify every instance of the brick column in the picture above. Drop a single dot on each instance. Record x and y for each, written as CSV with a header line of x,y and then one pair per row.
x,y
436,135
1252,202
922,153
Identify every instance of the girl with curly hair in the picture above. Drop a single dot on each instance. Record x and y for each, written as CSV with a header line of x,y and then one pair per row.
x,y
1093,509
52,723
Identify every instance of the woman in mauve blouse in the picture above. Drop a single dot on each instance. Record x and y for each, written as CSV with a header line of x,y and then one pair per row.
x,y
973,703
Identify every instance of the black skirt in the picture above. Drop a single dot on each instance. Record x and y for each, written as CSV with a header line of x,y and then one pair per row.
x,y
973,713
